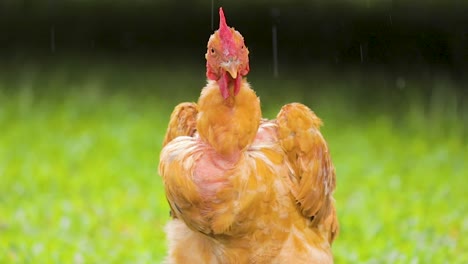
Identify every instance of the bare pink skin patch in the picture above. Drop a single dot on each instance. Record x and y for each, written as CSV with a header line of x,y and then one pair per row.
x,y
211,170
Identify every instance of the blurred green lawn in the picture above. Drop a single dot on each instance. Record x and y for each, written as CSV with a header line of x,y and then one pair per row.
x,y
79,148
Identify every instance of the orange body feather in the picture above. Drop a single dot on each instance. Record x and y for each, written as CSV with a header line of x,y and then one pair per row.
x,y
243,189
246,192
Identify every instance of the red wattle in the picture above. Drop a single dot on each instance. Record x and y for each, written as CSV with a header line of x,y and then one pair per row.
x,y
237,84
223,85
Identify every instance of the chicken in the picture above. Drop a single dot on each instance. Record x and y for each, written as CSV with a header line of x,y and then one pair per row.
x,y
243,189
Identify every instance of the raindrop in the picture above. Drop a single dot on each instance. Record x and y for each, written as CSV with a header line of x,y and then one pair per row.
x,y
52,39
274,38
362,56
212,15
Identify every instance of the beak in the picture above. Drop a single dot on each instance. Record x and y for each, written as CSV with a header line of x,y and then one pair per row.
x,y
231,67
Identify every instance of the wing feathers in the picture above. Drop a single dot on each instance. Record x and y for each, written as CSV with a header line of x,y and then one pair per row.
x,y
183,122
313,179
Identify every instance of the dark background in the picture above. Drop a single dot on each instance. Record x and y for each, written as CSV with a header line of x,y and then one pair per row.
x,y
389,51
394,36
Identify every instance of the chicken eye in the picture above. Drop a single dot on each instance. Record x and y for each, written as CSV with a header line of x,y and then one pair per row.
x,y
212,51
242,47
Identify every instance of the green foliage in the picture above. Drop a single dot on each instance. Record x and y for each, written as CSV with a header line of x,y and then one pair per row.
x,y
79,153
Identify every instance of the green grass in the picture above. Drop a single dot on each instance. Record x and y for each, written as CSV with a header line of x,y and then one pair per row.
x,y
79,148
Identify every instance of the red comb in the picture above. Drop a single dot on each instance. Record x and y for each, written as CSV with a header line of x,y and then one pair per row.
x,y
225,34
